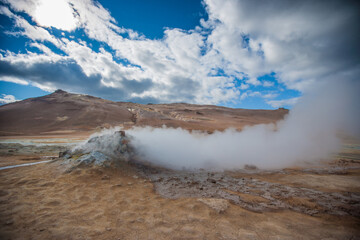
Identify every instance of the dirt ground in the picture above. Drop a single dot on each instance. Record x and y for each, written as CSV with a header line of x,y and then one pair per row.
x,y
44,202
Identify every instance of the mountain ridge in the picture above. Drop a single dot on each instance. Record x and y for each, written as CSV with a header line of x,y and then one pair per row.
x,y
61,111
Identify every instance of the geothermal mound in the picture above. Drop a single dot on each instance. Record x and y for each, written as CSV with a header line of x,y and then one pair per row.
x,y
244,187
105,150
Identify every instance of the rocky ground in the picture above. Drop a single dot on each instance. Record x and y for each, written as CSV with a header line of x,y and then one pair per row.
x,y
17,153
136,201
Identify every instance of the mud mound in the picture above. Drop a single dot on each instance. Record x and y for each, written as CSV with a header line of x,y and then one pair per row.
x,y
105,150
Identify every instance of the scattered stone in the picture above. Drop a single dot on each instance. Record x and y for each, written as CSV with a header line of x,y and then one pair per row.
x,y
246,192
135,177
108,229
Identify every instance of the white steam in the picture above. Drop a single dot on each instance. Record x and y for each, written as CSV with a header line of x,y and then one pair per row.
x,y
308,133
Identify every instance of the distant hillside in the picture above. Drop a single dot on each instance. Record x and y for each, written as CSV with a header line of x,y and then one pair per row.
x,y
62,112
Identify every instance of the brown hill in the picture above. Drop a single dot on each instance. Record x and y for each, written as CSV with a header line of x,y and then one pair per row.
x,y
62,112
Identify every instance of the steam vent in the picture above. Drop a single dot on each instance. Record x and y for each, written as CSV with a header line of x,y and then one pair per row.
x,y
106,150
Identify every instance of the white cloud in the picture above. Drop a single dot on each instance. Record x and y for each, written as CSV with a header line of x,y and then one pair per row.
x,y
14,80
283,102
270,95
28,30
55,13
249,93
5,99
247,39
253,81
244,86
268,84
291,36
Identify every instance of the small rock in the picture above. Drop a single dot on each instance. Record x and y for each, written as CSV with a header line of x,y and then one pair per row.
x,y
212,180
9,222
106,177
129,183
250,167
159,179
135,177
65,154
108,229
192,183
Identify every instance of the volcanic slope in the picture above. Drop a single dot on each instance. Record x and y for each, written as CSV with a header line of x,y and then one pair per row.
x,y
63,112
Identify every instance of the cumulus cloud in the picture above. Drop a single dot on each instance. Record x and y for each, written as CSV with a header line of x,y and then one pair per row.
x,y
55,13
5,99
268,84
291,36
26,29
283,102
301,42
265,95
65,73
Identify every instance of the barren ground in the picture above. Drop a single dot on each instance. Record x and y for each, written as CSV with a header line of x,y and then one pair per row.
x,y
138,202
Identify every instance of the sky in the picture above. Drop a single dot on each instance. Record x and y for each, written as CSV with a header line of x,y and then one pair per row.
x,y
235,53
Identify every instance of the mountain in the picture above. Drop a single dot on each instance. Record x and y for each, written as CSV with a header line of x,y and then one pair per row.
x,y
62,112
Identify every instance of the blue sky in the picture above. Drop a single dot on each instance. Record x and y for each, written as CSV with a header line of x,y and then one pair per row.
x,y
231,53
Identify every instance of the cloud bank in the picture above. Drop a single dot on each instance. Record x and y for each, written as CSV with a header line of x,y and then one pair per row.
x,y
219,61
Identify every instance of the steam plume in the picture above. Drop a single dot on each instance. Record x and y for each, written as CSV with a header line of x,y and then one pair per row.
x,y
310,132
